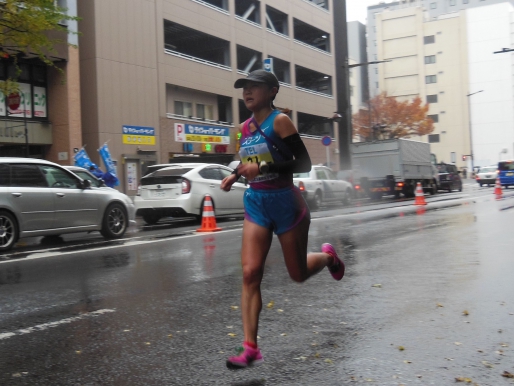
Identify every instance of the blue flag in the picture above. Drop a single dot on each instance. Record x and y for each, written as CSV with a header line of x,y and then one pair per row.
x,y
109,165
82,159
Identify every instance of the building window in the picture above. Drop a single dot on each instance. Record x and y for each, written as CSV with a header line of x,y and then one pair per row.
x,y
204,111
453,2
432,98
429,39
430,59
377,84
434,117
433,5
184,108
430,79
433,138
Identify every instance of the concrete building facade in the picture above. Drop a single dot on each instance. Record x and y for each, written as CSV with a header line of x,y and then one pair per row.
x,y
153,71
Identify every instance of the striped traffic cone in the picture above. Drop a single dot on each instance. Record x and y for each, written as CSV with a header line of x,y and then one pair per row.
x,y
420,196
498,189
208,219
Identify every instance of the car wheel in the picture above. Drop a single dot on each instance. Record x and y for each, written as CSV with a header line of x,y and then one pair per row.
x,y
8,231
316,201
151,219
347,197
115,221
434,188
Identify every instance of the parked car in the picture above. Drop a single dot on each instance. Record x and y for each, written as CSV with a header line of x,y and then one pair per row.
x,y
487,175
320,185
87,175
449,177
40,198
180,190
506,173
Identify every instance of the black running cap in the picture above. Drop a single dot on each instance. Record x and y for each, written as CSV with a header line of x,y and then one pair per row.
x,y
259,76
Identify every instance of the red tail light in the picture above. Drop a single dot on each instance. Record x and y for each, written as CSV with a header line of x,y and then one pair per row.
x,y
357,187
301,186
186,186
400,184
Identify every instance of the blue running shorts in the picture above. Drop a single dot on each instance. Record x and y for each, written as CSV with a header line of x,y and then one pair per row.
x,y
279,210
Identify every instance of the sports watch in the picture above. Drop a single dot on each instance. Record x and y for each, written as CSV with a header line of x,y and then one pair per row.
x,y
263,167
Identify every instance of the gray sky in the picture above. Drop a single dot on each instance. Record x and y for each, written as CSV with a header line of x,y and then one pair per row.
x,y
356,9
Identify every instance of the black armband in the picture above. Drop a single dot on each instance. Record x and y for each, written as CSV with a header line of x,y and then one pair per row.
x,y
234,172
301,162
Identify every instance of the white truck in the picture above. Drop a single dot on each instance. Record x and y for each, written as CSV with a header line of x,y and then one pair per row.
x,y
393,167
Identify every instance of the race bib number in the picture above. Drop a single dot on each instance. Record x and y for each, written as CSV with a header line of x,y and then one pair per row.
x,y
256,154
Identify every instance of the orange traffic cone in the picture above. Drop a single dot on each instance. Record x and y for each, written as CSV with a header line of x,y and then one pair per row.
x,y
498,189
208,219
420,196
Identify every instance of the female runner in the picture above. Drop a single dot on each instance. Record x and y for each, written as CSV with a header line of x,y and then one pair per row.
x,y
271,151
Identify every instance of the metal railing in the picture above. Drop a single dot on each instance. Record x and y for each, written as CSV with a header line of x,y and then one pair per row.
x,y
197,60
208,5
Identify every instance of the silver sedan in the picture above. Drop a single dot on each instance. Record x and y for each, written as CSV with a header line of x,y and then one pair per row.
x,y
41,198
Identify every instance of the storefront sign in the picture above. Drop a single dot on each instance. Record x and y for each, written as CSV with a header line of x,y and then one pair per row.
x,y
40,102
131,176
201,133
25,108
138,135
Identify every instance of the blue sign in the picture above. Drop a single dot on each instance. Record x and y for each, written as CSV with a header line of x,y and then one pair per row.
x,y
138,130
207,130
326,140
268,64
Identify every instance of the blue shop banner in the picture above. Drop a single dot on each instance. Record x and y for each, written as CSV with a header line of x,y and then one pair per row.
x,y
109,165
82,159
207,130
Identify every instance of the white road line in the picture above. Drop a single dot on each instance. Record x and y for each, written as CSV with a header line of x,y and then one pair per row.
x,y
45,326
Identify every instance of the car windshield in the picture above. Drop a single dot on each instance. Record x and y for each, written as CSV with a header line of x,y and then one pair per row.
x,y
489,169
165,176
506,165
86,176
301,175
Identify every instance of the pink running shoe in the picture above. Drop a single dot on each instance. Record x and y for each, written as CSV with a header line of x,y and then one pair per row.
x,y
248,357
337,268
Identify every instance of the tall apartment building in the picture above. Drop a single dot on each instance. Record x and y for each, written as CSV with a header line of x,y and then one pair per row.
x,y
432,10
155,72
447,59
358,75
48,123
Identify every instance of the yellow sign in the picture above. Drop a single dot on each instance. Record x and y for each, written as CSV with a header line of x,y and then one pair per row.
x,y
138,139
203,138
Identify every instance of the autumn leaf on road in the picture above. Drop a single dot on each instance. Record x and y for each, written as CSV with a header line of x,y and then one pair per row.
x,y
439,305
401,348
271,304
231,334
487,364
506,374
463,379
465,313
377,285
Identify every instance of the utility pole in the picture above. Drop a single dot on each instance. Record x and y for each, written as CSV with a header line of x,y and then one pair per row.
x,y
471,132
344,133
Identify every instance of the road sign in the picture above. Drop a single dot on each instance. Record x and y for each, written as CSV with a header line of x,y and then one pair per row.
x,y
268,64
326,140
14,100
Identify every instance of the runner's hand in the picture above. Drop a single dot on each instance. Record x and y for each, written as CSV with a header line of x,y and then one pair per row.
x,y
227,182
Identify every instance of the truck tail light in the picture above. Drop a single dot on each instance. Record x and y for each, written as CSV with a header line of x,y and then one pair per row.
x,y
301,186
186,186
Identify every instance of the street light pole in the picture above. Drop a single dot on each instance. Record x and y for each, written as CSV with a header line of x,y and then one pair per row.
x,y
471,132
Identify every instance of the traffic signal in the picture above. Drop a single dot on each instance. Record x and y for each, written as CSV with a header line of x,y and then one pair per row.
x,y
464,158
238,140
206,147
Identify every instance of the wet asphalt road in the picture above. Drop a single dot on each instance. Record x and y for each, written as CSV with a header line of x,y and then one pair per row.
x,y
427,298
